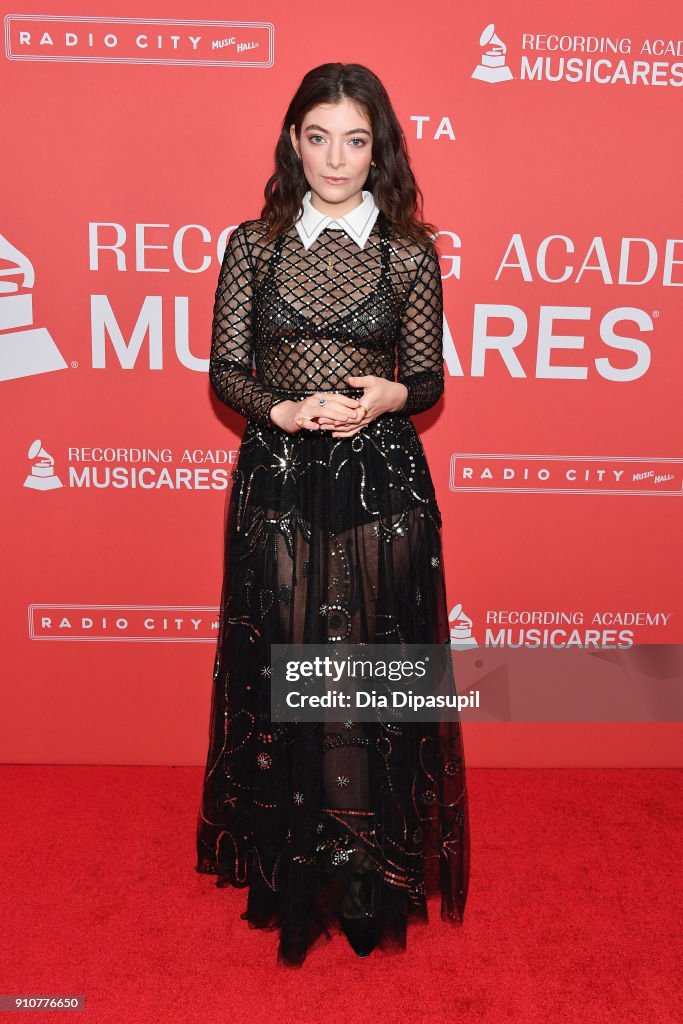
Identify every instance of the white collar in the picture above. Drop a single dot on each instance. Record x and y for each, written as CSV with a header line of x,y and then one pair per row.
x,y
357,223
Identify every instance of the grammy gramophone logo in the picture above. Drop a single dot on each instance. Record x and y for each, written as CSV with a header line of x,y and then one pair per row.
x,y
460,629
493,65
24,349
42,476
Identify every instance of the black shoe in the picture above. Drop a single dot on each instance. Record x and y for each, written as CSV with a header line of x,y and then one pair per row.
x,y
360,931
357,915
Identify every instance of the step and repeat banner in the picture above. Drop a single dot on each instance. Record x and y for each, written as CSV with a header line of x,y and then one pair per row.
x,y
547,143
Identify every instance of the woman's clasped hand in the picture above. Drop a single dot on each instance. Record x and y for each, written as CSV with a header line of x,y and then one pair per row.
x,y
342,415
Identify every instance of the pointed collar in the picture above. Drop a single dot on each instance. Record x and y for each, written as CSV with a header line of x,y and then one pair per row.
x,y
357,223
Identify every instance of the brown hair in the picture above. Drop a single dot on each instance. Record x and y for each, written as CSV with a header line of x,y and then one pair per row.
x,y
391,181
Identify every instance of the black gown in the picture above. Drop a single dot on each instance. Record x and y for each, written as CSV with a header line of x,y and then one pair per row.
x,y
329,539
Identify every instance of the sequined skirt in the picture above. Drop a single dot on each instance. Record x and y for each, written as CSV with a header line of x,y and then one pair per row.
x,y
330,539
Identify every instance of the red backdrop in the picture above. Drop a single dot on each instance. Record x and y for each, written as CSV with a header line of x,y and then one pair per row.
x,y
548,147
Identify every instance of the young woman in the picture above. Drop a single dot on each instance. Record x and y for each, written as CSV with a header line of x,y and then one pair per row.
x,y
332,534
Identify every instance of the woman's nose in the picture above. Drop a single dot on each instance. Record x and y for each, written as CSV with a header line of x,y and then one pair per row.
x,y
335,157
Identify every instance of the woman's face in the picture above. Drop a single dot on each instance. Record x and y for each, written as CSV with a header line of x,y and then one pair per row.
x,y
335,143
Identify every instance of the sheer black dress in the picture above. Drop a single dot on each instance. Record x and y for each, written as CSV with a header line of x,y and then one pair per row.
x,y
329,539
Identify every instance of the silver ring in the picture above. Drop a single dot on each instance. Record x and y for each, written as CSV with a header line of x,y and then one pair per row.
x,y
322,401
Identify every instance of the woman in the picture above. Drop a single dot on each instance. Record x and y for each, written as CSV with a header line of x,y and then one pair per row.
x,y
332,534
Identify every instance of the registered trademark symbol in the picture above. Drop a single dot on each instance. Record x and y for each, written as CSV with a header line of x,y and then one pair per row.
x,y
74,363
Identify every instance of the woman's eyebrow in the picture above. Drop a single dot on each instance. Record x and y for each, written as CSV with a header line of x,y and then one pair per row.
x,y
354,131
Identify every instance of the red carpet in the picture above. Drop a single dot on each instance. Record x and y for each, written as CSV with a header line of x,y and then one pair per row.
x,y
574,911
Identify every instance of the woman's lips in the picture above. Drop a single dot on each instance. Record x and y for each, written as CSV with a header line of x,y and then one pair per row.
x,y
335,181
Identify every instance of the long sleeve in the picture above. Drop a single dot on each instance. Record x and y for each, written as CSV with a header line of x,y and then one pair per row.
x,y
420,344
230,362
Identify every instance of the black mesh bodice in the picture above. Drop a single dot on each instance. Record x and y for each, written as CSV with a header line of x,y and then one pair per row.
x,y
306,318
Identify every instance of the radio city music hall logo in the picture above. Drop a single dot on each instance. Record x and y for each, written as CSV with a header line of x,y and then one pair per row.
x,y
565,474
247,44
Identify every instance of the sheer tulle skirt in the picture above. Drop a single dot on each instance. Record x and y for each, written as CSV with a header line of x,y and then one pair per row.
x,y
330,539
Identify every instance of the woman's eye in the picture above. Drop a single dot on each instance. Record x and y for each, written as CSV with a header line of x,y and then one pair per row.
x,y
312,138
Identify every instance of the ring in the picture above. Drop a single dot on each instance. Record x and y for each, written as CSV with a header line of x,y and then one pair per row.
x,y
361,406
300,422
322,401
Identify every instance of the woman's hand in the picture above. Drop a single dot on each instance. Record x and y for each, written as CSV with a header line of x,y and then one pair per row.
x,y
379,395
306,414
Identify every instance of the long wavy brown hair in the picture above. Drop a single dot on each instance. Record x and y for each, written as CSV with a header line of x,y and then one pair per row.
x,y
391,181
